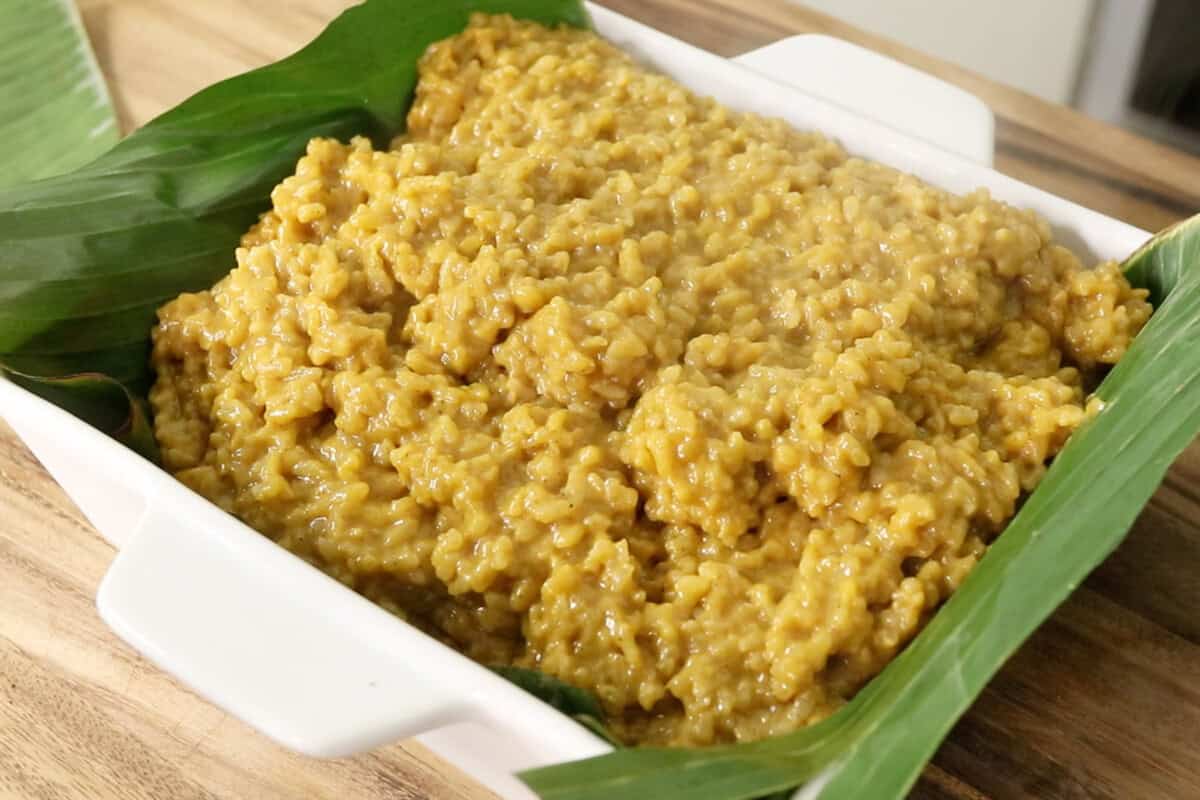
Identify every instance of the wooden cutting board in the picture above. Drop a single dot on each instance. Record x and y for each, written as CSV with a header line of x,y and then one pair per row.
x,y
1103,702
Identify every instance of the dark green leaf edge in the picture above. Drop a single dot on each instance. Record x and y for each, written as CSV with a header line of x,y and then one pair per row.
x,y
578,704
100,401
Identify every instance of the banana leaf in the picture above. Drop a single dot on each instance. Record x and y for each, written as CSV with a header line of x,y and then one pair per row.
x,y
55,116
85,259
578,704
55,112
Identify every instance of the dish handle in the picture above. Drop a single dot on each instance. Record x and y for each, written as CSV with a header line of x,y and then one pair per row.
x,y
883,89
246,625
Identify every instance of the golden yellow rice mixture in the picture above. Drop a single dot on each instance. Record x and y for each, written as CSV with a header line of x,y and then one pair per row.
x,y
589,374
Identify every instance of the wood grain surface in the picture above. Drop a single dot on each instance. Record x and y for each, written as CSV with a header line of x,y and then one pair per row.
x,y
1103,702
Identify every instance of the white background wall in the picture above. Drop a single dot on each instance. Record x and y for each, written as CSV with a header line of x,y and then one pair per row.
x,y
1035,45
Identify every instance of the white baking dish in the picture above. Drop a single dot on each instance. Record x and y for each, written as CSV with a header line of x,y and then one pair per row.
x,y
323,671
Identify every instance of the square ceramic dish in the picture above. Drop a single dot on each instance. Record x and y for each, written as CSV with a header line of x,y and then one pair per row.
x,y
323,671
